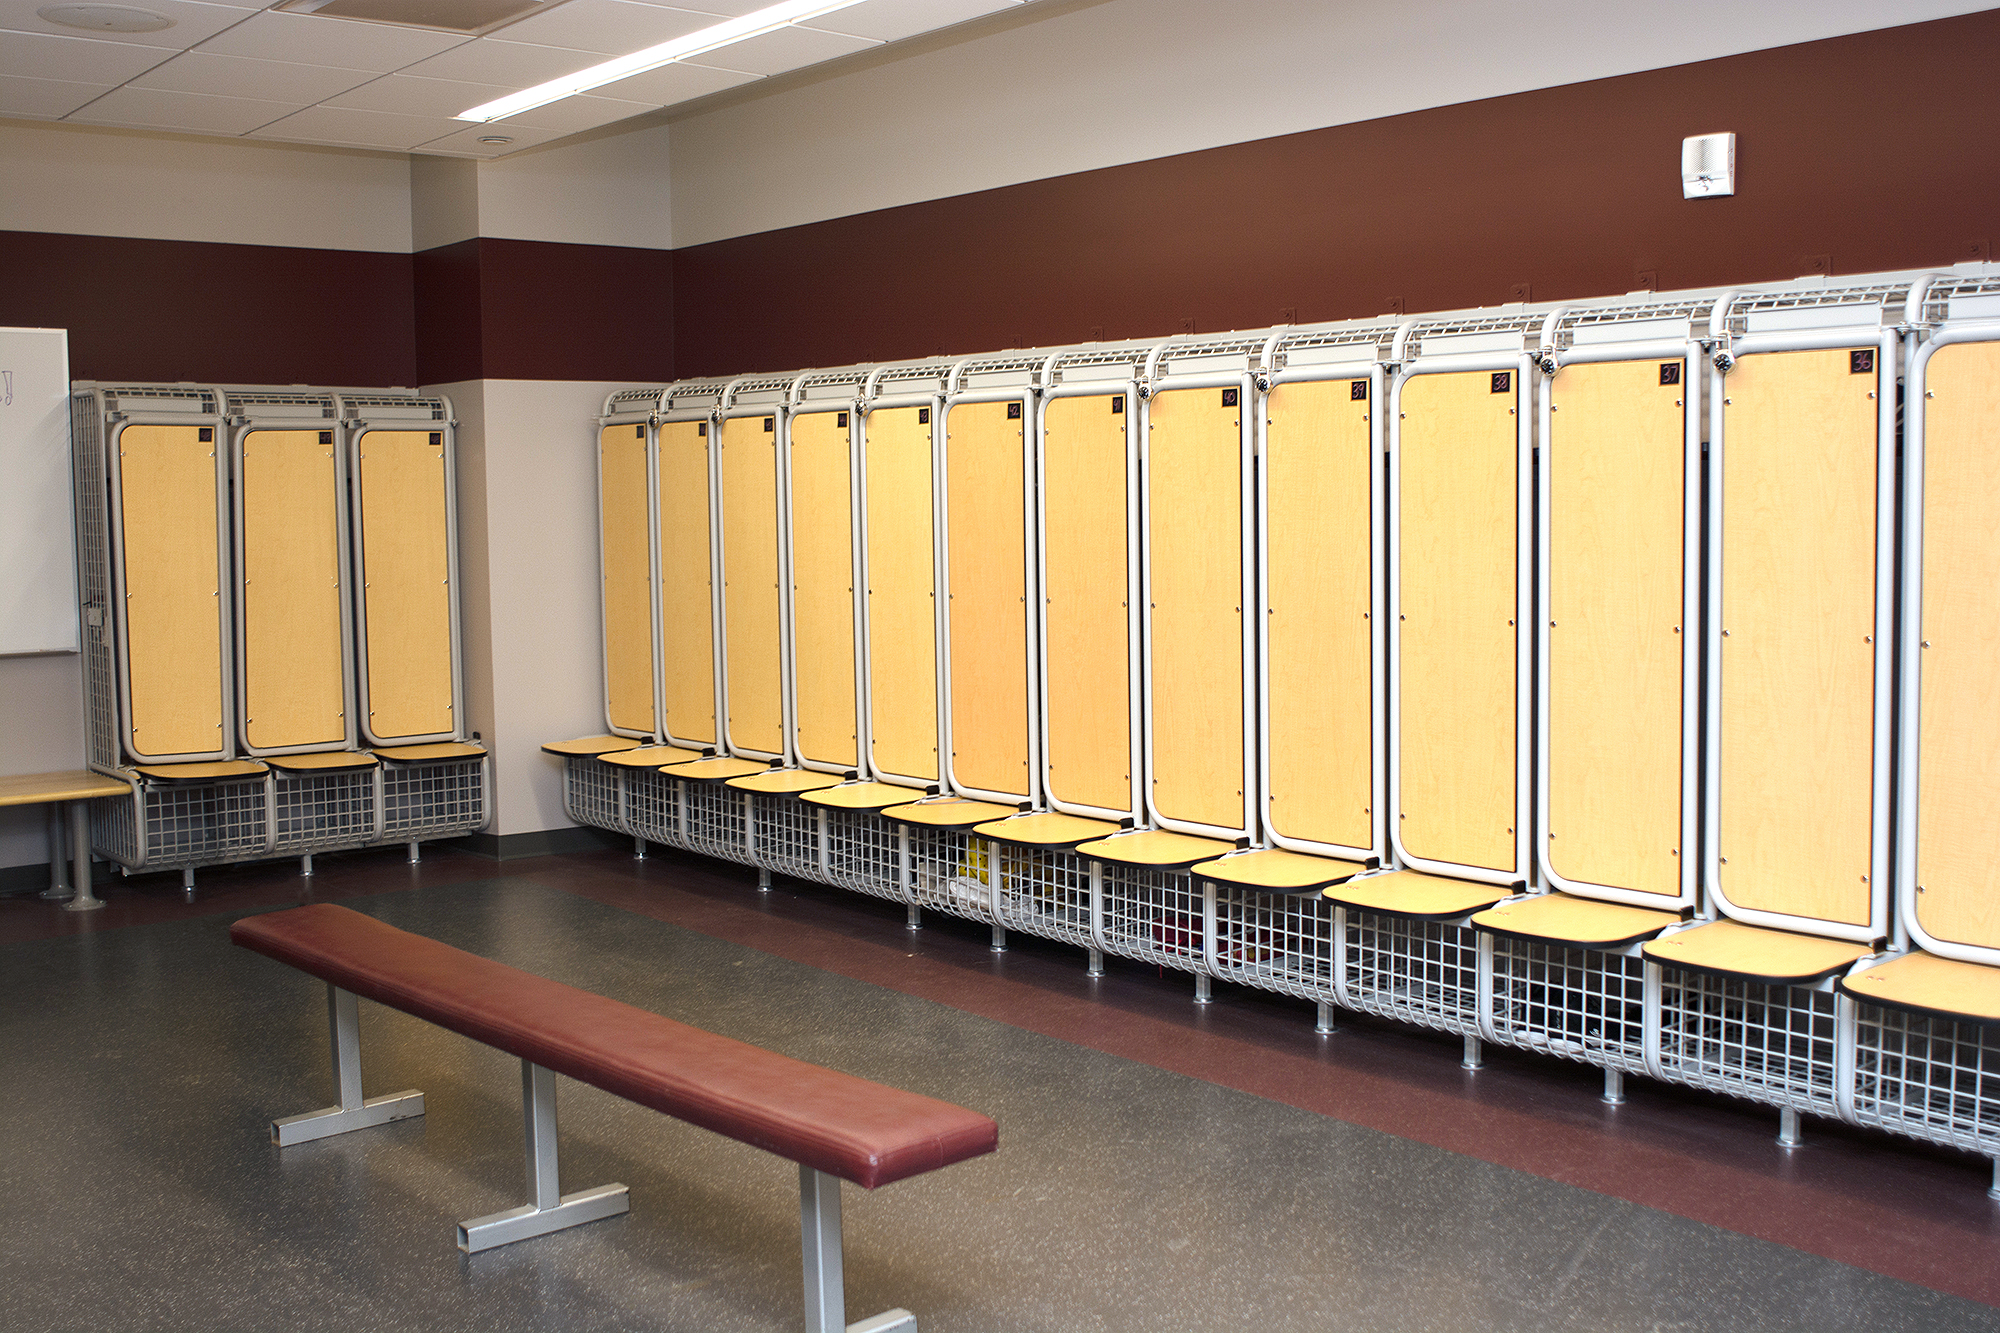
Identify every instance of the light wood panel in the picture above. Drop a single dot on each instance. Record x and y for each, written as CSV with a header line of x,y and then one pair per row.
x,y
1458,546
406,598
1958,774
173,627
687,613
1085,576
1568,919
717,769
1154,849
784,781
1275,870
986,518
859,796
902,623
1617,575
1195,556
1798,611
1936,985
752,641
590,745
224,770
627,575
73,785
1413,893
294,676
1048,829
434,753
651,756
321,761
950,813
1775,957
1319,529
823,588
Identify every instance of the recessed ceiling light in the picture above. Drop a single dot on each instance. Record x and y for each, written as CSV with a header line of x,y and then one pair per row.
x,y
106,18
496,138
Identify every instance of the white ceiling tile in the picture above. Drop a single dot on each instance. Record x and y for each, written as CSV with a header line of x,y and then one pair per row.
x,y
362,129
466,143
573,115
890,20
509,64
406,96
349,44
158,109
240,76
674,83
785,49
74,59
45,99
719,9
607,27
192,22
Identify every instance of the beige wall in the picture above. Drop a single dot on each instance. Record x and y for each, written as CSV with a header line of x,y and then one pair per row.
x,y
41,731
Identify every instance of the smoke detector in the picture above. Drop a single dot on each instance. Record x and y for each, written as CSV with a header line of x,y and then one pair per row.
x,y
106,18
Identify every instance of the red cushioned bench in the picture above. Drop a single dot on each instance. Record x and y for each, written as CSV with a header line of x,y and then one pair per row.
x,y
834,1125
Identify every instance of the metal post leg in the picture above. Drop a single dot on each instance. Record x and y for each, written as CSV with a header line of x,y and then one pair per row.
x,y
915,920
1096,965
552,1210
1201,983
416,851
58,855
351,1111
306,865
1788,1129
83,900
1323,1019
999,944
1993,1190
187,884
1473,1059
763,879
819,1251
1614,1087
638,849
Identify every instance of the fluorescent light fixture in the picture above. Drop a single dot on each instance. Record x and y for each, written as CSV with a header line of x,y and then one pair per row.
x,y
727,33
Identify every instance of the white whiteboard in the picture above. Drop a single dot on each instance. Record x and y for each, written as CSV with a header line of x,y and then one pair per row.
x,y
37,522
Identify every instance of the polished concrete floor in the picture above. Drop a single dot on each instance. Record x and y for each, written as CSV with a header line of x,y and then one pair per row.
x,y
139,1190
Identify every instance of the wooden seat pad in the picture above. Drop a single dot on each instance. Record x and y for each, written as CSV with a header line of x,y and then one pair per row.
x,y
75,785
1414,893
720,769
786,781
1969,992
860,796
1155,849
322,762
1774,957
222,771
432,754
833,1122
1562,918
950,812
1276,870
590,745
1048,830
650,756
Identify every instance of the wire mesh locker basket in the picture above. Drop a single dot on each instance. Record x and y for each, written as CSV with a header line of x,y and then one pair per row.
x,y
1155,916
863,853
1414,971
647,804
1276,942
1773,1044
1045,893
590,794
1928,1077
433,800
784,836
175,827
953,872
322,811
1580,1004
717,820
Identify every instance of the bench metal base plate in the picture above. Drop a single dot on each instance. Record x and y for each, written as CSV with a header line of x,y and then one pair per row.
x,y
889,1321
495,1229
342,1119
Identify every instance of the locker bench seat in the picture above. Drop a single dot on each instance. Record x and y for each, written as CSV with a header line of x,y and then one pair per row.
x,y
325,761
1416,894
1753,953
1579,923
1928,984
1048,831
70,832
719,769
1155,849
651,756
785,781
587,746
950,812
836,1126
860,796
442,752
226,770
1275,870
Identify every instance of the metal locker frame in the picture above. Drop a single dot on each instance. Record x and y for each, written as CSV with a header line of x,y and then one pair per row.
x,y
1810,316
745,397
1476,340
1092,372
1345,351
682,402
361,413
1008,377
250,410
1225,361
633,407
813,393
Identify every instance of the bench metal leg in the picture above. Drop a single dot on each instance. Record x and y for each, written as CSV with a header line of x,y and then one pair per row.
x,y
306,866
353,1112
763,879
83,900
552,1210
1473,1059
1095,967
187,884
999,944
1323,1019
58,833
416,851
1201,985
1788,1128
1614,1088
819,1247
638,849
914,918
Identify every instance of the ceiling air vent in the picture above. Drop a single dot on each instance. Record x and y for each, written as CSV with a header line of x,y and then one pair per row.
x,y
468,17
